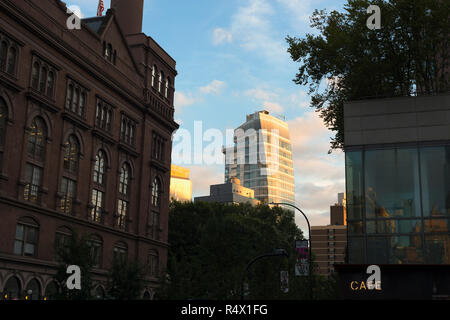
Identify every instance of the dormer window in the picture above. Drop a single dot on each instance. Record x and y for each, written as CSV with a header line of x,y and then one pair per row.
x,y
108,52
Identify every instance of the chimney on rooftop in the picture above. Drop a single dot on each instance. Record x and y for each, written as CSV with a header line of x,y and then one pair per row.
x,y
129,14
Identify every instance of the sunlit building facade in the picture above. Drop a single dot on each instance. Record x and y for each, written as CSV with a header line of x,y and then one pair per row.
x,y
261,158
398,180
180,184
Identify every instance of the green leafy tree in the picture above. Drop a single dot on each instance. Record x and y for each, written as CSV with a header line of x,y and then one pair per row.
x,y
211,245
346,61
125,280
75,251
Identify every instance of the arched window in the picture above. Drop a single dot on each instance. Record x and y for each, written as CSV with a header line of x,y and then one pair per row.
x,y
109,52
99,293
12,289
43,81
124,196
82,104
51,292
69,96
71,155
50,83
26,239
35,165
35,76
99,168
124,180
69,180
98,192
96,247
36,140
154,71
12,58
153,263
120,251
33,290
166,92
156,192
75,100
3,55
146,296
161,79
3,118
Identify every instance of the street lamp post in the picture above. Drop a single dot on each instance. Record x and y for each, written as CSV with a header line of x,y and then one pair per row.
x,y
276,253
309,239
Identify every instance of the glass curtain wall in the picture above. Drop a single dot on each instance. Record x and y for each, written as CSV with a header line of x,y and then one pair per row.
x,y
398,205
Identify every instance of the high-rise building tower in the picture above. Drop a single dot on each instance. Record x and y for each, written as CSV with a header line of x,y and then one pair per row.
x,y
262,158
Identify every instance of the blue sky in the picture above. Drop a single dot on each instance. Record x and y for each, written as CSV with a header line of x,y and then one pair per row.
x,y
232,61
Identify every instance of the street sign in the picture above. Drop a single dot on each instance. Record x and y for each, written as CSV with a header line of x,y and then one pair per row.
x,y
302,258
284,281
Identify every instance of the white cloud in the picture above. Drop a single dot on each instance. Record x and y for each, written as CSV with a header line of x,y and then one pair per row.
x,y
216,86
183,100
266,98
319,176
251,29
221,36
299,11
204,176
273,107
261,94
76,10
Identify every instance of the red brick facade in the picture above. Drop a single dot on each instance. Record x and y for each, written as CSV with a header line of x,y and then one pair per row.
x,y
85,141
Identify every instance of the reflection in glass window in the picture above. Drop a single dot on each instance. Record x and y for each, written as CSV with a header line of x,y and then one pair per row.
x,y
33,180
68,194
354,182
36,140
26,238
392,185
71,154
356,252
435,172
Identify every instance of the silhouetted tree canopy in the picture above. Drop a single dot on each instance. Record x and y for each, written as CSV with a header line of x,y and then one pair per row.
x,y
346,61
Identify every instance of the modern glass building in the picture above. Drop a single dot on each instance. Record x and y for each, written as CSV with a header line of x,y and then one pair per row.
x,y
398,180
261,158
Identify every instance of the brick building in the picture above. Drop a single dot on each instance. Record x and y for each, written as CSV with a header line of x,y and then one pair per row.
x,y
329,242
86,118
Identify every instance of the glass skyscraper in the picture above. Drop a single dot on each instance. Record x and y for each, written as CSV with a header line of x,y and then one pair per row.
x,y
262,158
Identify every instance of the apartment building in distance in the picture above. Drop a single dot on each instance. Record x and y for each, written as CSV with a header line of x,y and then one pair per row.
x,y
329,242
86,119
261,158
230,192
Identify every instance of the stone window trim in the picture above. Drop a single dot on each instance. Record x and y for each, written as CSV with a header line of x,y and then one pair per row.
x,y
72,87
10,51
128,129
40,82
102,120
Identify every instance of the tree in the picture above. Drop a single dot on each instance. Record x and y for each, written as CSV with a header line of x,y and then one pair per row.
x,y
125,280
409,55
211,244
76,251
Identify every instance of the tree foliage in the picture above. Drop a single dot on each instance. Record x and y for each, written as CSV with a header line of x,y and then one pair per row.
x,y
409,55
125,280
75,252
211,245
